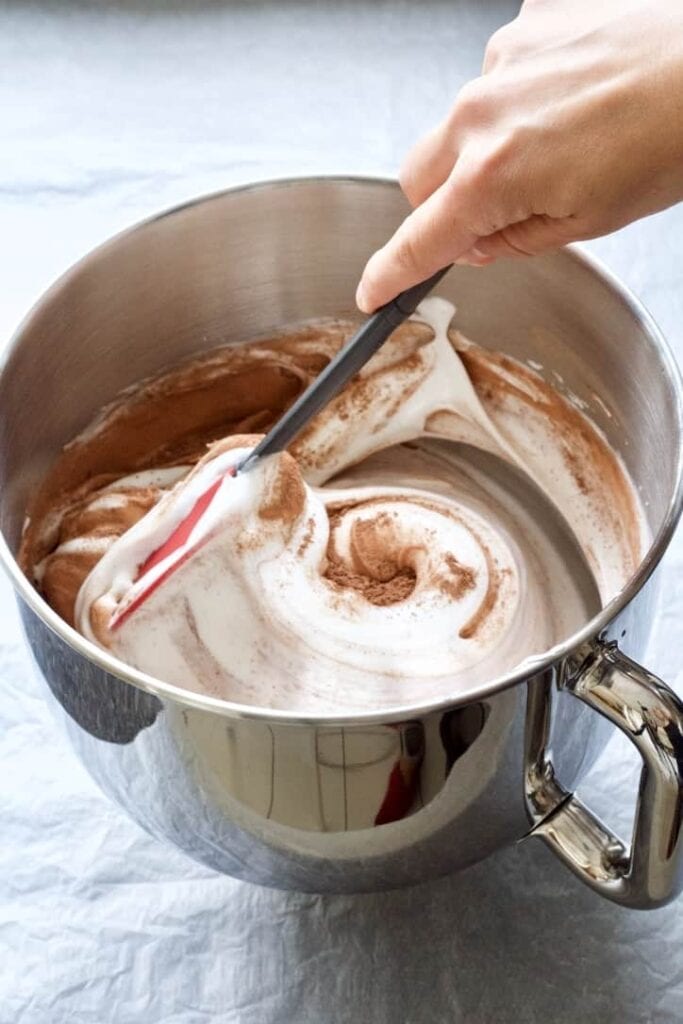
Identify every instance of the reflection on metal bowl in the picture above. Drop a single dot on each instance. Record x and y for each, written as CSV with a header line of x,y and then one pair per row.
x,y
377,800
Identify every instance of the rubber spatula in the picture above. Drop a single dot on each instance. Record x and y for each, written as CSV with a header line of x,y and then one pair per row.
x,y
177,548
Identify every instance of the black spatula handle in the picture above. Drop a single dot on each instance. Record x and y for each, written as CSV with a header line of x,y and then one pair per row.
x,y
348,361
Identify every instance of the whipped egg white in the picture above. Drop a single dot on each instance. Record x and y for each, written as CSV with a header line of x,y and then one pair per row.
x,y
361,570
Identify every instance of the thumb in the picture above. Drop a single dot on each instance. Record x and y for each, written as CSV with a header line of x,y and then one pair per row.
x,y
430,238
529,237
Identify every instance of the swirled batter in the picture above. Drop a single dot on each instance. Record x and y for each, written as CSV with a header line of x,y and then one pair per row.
x,y
369,567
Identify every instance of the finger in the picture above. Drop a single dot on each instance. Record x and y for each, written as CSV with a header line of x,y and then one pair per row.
x,y
431,161
529,237
433,236
428,164
474,258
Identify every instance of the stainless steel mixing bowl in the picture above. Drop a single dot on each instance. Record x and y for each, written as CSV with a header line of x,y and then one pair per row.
x,y
370,800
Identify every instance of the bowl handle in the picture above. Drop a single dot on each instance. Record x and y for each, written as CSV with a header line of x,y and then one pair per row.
x,y
642,706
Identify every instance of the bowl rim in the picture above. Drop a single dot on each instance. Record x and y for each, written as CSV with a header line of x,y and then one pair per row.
x,y
392,713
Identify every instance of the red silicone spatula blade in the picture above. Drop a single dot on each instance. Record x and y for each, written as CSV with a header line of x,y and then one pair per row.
x,y
177,539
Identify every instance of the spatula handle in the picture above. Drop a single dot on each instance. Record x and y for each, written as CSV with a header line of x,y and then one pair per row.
x,y
348,361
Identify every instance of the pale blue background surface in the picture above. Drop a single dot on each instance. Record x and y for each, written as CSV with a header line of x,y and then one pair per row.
x,y
109,112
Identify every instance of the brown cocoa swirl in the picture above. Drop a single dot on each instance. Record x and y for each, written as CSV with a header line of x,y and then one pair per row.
x,y
502,382
379,569
83,534
171,421
382,568
108,480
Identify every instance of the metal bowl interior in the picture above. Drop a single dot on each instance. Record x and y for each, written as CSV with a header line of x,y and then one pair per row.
x,y
235,265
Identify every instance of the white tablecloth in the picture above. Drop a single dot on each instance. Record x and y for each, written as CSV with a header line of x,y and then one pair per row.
x,y
109,112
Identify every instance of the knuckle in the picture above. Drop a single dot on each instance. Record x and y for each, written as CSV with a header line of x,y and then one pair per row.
x,y
560,204
408,179
503,150
481,169
472,104
481,194
562,195
494,158
495,48
406,254
502,46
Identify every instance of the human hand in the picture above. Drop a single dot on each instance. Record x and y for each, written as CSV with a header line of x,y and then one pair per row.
x,y
574,129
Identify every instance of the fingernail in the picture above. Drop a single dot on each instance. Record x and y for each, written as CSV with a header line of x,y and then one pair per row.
x,y
473,258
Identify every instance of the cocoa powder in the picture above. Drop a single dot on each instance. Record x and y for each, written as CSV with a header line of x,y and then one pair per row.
x,y
380,592
460,580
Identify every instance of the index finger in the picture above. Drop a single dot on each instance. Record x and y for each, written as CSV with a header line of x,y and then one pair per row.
x,y
431,237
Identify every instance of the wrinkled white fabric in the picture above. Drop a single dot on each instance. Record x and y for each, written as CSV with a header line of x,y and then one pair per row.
x,y
99,921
